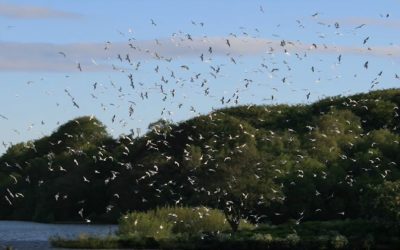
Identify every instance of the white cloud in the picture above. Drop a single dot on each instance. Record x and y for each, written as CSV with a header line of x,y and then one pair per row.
x,y
32,12
47,57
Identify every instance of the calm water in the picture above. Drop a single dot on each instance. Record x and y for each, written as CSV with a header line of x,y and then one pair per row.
x,y
31,235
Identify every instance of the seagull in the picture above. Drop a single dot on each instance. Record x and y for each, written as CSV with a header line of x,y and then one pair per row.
x,y
315,14
62,53
185,67
80,212
8,200
360,26
14,178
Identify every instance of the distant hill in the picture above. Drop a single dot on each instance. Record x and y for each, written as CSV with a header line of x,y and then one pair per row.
x,y
327,160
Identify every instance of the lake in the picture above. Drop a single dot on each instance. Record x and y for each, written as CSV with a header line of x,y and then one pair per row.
x,y
32,235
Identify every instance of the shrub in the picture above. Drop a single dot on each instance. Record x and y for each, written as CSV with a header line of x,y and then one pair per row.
x,y
339,241
145,224
262,237
194,220
163,222
292,239
368,242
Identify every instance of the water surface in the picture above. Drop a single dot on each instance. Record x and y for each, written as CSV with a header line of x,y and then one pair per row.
x,y
32,235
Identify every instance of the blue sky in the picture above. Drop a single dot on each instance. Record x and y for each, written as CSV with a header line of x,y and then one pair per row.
x,y
34,75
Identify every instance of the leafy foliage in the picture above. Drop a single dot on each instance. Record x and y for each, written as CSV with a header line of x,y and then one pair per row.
x,y
168,221
324,161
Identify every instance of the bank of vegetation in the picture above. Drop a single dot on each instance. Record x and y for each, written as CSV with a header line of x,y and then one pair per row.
x,y
333,160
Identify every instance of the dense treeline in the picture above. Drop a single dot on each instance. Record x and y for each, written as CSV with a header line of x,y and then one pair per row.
x,y
337,158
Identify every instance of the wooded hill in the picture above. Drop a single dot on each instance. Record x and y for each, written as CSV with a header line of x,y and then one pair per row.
x,y
334,159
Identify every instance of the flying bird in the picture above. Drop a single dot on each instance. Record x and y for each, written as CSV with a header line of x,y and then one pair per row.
x,y
360,26
62,53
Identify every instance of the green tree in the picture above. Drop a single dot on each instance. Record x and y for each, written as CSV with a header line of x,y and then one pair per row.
x,y
232,170
386,203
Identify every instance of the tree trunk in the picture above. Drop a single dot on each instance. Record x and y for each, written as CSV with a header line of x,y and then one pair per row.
x,y
233,215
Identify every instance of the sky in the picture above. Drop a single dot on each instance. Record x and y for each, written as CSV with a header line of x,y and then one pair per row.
x,y
63,59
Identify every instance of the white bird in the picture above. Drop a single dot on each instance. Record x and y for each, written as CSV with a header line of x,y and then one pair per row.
x,y
80,212
14,178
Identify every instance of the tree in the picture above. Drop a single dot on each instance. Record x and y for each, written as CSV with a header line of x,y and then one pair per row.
x,y
232,171
386,203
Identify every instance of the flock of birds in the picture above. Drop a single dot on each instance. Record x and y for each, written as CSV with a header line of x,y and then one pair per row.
x,y
176,82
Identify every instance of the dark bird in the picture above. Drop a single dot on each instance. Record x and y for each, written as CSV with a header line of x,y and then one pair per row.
x,y
337,25
185,67
360,26
75,104
366,65
62,53
365,40
79,67
127,58
315,14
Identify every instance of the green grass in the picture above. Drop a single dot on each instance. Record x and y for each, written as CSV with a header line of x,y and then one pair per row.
x,y
84,241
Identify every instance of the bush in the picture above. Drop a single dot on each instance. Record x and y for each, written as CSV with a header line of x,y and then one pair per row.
x,y
262,237
194,220
292,239
339,241
368,242
163,222
145,224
